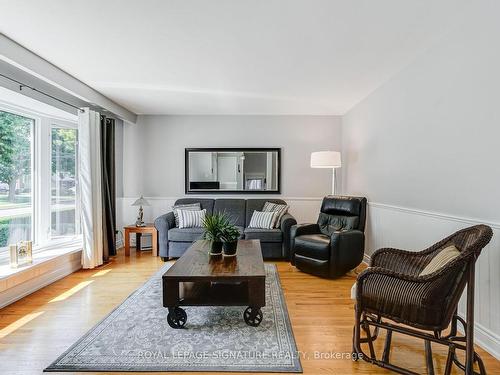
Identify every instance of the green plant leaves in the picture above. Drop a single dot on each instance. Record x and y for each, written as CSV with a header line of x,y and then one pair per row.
x,y
218,227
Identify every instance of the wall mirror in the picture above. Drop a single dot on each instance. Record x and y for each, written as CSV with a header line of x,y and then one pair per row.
x,y
232,170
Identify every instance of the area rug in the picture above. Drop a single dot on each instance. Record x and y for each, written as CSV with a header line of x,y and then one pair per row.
x,y
137,337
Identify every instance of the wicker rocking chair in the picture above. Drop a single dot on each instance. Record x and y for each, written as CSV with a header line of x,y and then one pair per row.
x,y
391,289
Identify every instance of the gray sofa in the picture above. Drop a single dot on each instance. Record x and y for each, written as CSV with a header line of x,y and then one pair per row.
x,y
275,243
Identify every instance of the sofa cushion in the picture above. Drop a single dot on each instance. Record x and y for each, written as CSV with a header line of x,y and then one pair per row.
x,y
258,205
328,224
316,246
185,234
234,208
265,235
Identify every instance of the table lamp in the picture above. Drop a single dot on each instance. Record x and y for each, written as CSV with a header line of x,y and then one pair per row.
x,y
327,159
140,202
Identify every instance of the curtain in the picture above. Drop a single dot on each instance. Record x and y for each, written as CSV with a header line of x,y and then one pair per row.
x,y
108,186
90,184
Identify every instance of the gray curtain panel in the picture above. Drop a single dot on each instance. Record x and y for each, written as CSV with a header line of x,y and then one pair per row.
x,y
108,186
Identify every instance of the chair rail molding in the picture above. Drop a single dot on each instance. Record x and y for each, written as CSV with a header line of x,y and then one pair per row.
x,y
416,229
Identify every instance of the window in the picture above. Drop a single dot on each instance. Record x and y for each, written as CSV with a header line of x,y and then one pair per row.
x,y
63,220
16,198
38,179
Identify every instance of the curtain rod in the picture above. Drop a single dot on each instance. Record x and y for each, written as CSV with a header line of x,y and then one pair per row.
x,y
22,85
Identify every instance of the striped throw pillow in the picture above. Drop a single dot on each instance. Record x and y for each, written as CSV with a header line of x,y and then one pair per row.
x,y
262,220
190,206
440,260
279,209
191,219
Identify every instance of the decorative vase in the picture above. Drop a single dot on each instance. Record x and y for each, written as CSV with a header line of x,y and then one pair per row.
x,y
230,248
215,247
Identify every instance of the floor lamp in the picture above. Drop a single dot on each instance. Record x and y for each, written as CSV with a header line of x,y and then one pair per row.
x,y
327,159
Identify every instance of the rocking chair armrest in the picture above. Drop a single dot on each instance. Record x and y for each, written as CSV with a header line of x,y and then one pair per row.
x,y
387,276
375,279
366,273
402,261
389,252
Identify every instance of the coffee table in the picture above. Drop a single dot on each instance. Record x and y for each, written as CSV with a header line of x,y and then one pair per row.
x,y
200,279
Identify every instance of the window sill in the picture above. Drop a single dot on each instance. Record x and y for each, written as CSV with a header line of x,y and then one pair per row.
x,y
42,255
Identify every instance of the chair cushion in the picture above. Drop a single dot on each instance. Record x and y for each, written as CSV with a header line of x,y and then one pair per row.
x,y
328,224
440,260
340,205
265,235
315,246
354,290
185,234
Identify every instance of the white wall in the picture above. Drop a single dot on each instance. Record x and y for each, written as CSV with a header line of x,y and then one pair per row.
x,y
424,149
153,152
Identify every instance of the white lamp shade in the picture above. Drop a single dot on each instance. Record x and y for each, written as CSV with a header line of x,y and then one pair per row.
x,y
325,159
141,202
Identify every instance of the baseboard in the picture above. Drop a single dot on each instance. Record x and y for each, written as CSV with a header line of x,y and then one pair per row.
x,y
487,340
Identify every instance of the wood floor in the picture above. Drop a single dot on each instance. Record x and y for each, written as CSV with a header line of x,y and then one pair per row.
x,y
37,329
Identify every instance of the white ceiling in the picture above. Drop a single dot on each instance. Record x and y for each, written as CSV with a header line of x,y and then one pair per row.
x,y
229,56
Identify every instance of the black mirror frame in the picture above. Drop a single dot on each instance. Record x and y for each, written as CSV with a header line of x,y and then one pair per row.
x,y
230,149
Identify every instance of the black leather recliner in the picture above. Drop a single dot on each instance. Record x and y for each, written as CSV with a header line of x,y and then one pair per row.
x,y
336,243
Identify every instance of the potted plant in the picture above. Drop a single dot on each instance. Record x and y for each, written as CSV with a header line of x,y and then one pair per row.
x,y
213,225
229,236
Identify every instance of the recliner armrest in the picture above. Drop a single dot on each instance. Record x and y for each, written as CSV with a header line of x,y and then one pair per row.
x,y
162,225
300,230
347,249
287,221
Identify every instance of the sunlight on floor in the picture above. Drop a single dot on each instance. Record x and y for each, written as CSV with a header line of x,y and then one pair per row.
x,y
101,273
71,291
19,323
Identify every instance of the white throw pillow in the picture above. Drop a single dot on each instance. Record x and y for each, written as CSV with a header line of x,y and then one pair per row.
x,y
440,260
191,219
262,220
279,209
189,206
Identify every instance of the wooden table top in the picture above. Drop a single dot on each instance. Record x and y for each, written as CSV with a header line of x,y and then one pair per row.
x,y
197,264
135,227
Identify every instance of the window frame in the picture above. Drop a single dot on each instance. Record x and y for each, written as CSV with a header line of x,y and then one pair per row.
x,y
60,124
41,158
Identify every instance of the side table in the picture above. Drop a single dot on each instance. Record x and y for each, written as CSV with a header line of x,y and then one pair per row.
x,y
148,228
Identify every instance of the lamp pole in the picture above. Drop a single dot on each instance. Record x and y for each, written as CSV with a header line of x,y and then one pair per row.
x,y
333,181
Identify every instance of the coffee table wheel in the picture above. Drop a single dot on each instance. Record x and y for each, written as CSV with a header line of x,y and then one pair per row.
x,y
253,316
176,317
